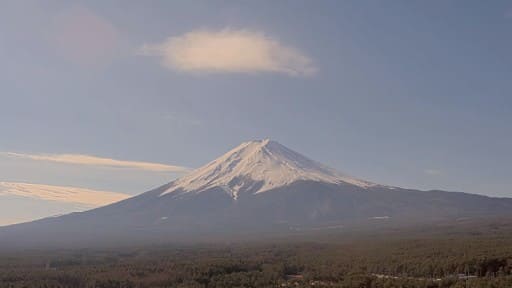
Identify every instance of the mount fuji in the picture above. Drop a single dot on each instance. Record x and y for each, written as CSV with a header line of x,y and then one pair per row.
x,y
258,187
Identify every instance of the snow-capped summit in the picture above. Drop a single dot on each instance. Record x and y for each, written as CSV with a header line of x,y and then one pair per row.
x,y
259,166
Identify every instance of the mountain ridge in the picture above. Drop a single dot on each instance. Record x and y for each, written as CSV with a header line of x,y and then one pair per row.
x,y
258,188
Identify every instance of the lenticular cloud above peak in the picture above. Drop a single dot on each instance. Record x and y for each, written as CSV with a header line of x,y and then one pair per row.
x,y
230,51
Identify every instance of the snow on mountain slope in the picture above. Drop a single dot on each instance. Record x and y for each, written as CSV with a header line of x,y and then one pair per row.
x,y
258,166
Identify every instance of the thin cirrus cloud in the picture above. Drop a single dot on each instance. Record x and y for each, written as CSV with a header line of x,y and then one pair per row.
x,y
229,51
80,159
85,197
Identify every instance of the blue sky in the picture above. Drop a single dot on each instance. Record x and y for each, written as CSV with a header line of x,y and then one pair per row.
x,y
406,93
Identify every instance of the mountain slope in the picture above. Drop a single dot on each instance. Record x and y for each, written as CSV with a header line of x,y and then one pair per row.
x,y
259,166
258,187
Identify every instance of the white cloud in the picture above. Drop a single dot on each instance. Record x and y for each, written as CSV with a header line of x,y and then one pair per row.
x,y
80,159
87,197
229,50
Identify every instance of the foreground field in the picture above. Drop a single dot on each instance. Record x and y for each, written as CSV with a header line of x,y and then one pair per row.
x,y
476,259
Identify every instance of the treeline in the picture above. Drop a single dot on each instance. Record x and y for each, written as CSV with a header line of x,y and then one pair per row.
x,y
361,263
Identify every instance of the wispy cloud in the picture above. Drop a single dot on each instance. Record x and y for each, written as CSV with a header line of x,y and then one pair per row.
x,y
229,50
87,197
83,36
80,159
